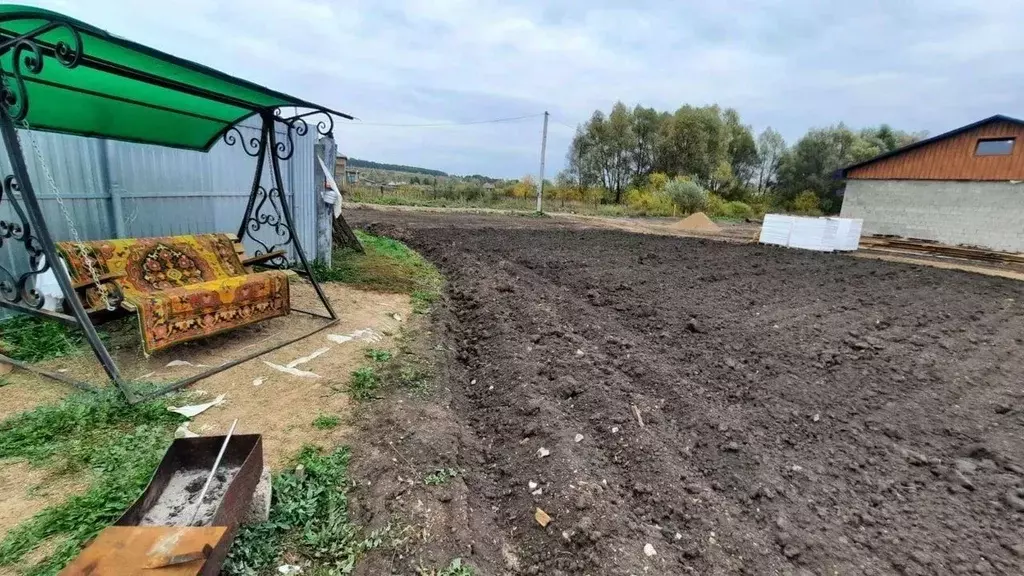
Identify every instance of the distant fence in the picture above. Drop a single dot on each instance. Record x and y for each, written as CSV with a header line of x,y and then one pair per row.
x,y
122,190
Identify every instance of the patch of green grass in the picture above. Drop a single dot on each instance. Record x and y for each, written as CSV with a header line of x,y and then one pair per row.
x,y
378,355
308,519
326,422
32,339
455,568
412,376
387,266
364,382
440,476
117,444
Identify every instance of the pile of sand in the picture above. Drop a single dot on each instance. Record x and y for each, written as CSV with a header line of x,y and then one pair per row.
x,y
696,222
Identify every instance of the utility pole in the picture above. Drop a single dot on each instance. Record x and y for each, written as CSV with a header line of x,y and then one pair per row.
x,y
543,151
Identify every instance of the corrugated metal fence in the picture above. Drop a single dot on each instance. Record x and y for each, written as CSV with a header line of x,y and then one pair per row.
x,y
123,190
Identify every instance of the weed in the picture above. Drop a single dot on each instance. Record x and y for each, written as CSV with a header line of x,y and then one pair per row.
x,y
378,355
119,444
364,382
326,422
413,377
387,266
32,339
455,568
308,518
440,476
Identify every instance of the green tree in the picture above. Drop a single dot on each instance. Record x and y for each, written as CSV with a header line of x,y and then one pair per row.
x,y
770,148
687,195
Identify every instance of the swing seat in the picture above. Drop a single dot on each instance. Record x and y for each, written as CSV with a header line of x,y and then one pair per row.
x,y
181,287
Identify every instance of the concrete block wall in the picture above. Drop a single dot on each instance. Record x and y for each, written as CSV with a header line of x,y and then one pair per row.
x,y
986,214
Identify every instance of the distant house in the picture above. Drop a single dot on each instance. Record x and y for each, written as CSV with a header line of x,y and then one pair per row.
x,y
965,186
341,172
489,187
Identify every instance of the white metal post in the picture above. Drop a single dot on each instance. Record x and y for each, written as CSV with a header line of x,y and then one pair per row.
x,y
543,151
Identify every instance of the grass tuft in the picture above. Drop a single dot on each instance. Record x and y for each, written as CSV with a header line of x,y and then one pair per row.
x,y
378,355
455,568
118,444
308,519
326,422
440,476
364,382
32,339
387,266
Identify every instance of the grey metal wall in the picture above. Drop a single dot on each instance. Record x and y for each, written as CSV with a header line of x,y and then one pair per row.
x,y
118,189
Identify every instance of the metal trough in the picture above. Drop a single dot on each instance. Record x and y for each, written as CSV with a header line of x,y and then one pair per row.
x,y
193,457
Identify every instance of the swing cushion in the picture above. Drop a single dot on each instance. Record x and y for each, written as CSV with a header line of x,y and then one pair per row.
x,y
183,287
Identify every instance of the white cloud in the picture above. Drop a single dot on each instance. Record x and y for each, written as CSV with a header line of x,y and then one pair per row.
x,y
924,64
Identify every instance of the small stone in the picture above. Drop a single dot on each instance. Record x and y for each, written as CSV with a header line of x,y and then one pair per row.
x,y
537,492
791,551
678,536
693,326
397,317
965,466
615,429
816,417
579,352
543,452
1003,408
578,438
732,447
472,382
1018,550
649,550
300,472
532,485
566,535
542,518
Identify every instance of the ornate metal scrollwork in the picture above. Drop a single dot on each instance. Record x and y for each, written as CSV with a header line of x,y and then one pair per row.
x,y
298,126
268,212
17,289
251,146
28,54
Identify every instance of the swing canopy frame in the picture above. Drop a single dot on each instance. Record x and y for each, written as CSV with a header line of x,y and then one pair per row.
x,y
58,74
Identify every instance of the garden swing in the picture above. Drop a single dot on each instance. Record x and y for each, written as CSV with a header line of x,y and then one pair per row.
x,y
81,80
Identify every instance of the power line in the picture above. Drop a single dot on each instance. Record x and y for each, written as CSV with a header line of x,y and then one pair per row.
x,y
441,125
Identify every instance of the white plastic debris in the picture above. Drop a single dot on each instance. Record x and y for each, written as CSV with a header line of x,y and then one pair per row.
x,y
543,452
368,334
304,359
397,317
289,569
578,438
183,432
532,485
579,352
194,410
649,550
174,363
258,381
292,371
538,492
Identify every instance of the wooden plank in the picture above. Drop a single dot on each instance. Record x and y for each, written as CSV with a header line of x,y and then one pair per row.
x,y
128,550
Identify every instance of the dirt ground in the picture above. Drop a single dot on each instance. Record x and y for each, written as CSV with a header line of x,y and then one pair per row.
x,y
282,407
682,405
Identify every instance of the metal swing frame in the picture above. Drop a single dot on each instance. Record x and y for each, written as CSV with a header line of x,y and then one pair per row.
x,y
267,206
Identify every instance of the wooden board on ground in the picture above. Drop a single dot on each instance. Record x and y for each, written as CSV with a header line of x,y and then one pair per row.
x,y
128,550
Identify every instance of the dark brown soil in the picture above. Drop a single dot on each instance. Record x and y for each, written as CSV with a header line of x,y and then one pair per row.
x,y
802,413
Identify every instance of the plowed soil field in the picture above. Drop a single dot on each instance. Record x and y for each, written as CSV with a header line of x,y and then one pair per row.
x,y
680,405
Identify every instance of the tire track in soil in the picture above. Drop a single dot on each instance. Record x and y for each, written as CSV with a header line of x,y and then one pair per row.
x,y
876,437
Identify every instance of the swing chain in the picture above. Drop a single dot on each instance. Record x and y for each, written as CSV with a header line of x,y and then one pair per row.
x,y
79,245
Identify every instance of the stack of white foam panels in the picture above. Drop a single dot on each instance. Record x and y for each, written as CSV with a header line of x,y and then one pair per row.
x,y
819,234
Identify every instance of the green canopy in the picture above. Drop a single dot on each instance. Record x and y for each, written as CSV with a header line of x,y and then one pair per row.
x,y
93,83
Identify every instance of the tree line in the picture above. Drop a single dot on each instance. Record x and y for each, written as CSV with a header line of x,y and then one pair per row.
x,y
709,146
357,163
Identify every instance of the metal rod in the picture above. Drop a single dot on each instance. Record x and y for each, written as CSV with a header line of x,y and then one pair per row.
x,y
213,471
268,120
53,375
206,374
28,195
257,176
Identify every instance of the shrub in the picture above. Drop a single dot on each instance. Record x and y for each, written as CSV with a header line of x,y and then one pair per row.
x,y
687,195
648,203
807,203
737,210
714,206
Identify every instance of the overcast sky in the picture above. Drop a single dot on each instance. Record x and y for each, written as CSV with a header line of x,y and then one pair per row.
x,y
918,65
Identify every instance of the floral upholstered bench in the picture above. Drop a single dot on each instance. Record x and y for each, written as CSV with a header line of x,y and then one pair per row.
x,y
181,287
